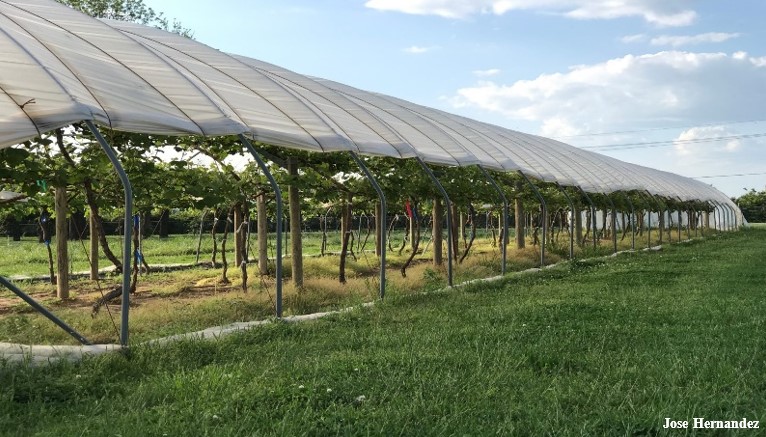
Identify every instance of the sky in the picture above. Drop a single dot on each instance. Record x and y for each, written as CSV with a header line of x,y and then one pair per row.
x,y
678,85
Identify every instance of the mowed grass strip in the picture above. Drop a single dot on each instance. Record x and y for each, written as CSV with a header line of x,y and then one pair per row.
x,y
606,347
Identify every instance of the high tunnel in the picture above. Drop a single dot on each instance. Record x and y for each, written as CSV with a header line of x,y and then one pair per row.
x,y
59,67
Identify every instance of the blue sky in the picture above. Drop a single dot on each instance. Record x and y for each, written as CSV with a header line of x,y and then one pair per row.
x,y
678,85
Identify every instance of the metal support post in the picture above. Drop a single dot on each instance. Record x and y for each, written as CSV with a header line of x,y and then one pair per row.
x,y
660,210
42,310
717,217
381,221
448,207
649,222
127,237
506,213
614,223
278,193
571,220
734,220
544,208
632,222
592,214
696,222
724,217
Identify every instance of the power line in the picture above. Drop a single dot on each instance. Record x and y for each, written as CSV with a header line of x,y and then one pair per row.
x,y
733,175
651,144
597,134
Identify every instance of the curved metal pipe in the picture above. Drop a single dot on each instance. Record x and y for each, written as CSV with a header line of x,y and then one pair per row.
x,y
724,217
632,222
613,222
278,194
127,237
592,214
506,213
544,207
718,221
735,221
448,207
571,220
381,220
660,210
649,222
696,222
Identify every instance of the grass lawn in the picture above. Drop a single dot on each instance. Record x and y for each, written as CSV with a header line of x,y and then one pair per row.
x,y
604,347
168,303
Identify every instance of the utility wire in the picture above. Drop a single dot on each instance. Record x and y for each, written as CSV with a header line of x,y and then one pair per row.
x,y
651,144
596,134
733,175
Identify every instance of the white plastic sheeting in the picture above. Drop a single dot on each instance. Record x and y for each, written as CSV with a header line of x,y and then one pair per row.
x,y
58,67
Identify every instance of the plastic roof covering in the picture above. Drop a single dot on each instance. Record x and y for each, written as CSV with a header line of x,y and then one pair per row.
x,y
60,67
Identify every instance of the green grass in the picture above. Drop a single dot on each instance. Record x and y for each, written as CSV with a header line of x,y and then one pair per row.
x,y
604,347
30,258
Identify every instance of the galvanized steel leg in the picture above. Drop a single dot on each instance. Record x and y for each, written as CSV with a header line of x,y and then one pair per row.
x,y
42,310
718,222
127,237
506,213
592,214
614,223
649,220
571,220
733,217
632,222
696,223
448,207
649,225
381,221
278,193
544,211
660,210
724,217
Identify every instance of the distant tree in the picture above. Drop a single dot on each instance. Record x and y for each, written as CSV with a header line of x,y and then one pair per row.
x,y
753,205
128,10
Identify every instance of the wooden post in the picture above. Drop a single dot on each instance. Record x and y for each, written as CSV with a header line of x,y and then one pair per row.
x,y
62,254
438,230
411,229
455,237
238,243
578,225
520,218
93,227
263,236
296,256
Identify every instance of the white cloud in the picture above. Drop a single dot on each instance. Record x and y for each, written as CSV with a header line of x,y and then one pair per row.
x,y
487,73
632,97
683,40
663,89
739,55
661,13
417,50
628,39
697,141
558,127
